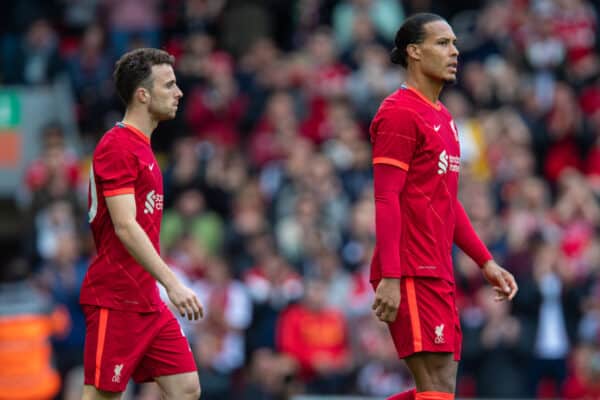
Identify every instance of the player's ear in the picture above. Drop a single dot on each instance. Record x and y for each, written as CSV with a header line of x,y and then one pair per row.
x,y
413,51
142,95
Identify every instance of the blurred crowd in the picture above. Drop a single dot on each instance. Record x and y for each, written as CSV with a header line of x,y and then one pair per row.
x,y
268,202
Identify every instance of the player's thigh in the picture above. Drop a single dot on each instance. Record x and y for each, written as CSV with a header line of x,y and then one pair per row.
x,y
427,318
185,386
115,343
91,393
169,353
433,371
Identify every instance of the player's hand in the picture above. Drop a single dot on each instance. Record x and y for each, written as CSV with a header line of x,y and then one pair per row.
x,y
503,282
186,302
387,299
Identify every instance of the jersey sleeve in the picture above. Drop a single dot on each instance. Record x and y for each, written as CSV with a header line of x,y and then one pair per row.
x,y
394,136
116,170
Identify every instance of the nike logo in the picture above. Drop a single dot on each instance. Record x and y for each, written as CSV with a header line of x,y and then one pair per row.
x,y
151,166
436,127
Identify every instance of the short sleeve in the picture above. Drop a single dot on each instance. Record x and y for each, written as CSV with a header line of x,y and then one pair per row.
x,y
394,137
116,170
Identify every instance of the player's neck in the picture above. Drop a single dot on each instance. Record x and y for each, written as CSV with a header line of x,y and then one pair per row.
x,y
426,87
141,121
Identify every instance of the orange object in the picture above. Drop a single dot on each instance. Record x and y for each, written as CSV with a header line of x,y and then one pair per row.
x,y
10,149
25,357
413,310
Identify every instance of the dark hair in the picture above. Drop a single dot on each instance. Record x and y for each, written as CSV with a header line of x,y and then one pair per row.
x,y
134,68
411,32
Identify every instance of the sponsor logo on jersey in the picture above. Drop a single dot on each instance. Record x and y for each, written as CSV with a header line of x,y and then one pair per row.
x,y
446,162
443,163
154,201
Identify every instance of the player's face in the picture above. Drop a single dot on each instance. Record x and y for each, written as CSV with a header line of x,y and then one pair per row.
x,y
439,55
165,94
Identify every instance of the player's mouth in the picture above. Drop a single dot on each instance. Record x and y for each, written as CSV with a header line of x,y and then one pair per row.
x,y
453,67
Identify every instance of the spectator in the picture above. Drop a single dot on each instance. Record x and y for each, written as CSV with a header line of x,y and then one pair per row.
x,y
495,345
61,277
34,60
317,337
90,72
190,217
219,339
130,22
273,285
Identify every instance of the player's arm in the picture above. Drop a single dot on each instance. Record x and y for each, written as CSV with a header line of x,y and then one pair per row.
x,y
122,210
388,184
394,134
468,241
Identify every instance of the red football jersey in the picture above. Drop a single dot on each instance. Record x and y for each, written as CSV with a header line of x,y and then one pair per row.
x,y
412,133
123,162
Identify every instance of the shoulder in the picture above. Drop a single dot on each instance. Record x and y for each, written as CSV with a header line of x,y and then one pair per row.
x,y
400,106
115,150
396,112
114,140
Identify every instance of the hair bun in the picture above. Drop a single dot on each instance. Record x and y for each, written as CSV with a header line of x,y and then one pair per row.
x,y
395,56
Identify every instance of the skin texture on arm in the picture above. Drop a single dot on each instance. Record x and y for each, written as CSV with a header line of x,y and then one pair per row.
x,y
122,211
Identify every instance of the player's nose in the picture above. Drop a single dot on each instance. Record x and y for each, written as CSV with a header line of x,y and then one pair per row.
x,y
454,50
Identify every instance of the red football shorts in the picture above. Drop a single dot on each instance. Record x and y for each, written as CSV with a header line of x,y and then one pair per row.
x,y
120,345
427,319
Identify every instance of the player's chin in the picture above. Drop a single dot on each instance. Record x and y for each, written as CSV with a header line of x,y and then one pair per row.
x,y
450,79
168,115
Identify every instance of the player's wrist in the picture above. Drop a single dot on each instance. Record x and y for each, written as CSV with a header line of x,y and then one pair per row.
x,y
170,281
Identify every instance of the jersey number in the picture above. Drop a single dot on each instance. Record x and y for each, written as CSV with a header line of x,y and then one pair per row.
x,y
93,196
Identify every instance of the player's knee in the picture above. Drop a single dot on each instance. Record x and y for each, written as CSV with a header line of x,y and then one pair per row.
x,y
191,390
442,382
197,391
443,378
433,372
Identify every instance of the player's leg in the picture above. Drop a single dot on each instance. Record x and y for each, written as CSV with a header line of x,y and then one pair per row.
x,y
184,386
433,372
427,336
115,343
91,393
169,361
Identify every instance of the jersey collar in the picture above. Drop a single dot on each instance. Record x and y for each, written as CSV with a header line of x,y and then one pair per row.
x,y
134,130
435,105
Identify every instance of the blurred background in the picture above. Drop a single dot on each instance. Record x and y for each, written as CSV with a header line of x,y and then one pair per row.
x,y
268,201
